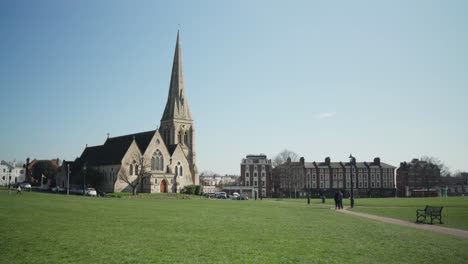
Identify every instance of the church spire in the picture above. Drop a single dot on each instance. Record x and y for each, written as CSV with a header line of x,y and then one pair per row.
x,y
177,105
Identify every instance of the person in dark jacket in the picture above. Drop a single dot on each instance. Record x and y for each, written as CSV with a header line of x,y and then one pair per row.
x,y
337,200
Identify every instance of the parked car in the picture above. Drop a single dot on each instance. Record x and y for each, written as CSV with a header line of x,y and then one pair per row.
x,y
25,185
58,189
235,196
90,192
243,197
221,195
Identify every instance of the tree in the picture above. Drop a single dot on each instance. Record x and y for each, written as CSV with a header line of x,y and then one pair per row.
x,y
444,170
280,162
283,156
135,171
94,178
46,168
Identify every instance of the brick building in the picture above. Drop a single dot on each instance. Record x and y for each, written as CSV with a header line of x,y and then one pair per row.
x,y
417,177
369,179
256,173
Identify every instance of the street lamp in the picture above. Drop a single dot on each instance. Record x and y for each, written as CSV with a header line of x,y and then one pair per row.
x,y
352,161
68,178
84,179
308,188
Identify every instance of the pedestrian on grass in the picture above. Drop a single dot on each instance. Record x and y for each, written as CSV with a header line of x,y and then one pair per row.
x,y
18,191
340,200
337,200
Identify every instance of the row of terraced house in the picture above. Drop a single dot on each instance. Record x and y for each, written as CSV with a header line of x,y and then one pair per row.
x,y
367,179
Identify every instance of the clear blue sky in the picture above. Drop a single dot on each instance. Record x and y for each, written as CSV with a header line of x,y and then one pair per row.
x,y
322,78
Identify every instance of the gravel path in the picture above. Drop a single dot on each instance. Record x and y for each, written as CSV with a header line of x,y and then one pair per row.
x,y
433,228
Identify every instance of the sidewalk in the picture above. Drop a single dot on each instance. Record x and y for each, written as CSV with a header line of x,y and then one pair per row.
x,y
433,228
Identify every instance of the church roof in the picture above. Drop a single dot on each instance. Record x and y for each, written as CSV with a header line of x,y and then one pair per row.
x,y
177,105
114,149
171,148
142,139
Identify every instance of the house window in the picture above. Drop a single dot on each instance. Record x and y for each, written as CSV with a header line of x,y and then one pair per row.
x,y
247,174
255,183
255,174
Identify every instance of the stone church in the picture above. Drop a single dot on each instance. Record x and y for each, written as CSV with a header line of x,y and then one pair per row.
x,y
168,152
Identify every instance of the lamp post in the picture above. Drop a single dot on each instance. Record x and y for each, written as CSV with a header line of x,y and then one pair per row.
x,y
84,179
68,179
308,188
352,161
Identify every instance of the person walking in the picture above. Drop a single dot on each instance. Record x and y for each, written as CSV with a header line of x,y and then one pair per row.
x,y
18,191
337,200
340,200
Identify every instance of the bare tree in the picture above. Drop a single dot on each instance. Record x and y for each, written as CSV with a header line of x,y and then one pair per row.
x,y
283,156
135,172
444,170
280,161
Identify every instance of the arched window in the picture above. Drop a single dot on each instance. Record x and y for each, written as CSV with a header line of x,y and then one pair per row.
x,y
130,171
157,161
180,171
136,169
176,171
179,137
185,138
153,163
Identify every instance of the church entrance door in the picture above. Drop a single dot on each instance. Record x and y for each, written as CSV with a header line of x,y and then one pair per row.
x,y
163,186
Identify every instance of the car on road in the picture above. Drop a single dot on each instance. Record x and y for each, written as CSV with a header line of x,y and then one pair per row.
x,y
221,195
243,197
90,192
25,185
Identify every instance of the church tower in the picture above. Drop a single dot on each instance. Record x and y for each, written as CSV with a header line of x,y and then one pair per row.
x,y
176,123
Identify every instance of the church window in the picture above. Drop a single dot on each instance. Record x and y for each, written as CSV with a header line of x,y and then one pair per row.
x,y
131,169
176,171
179,137
136,169
157,161
185,138
180,171
155,181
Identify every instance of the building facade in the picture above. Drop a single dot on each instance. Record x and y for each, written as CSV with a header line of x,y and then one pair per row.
x,y
367,179
256,173
166,155
418,178
11,173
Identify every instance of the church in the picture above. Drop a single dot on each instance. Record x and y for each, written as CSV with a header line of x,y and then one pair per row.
x,y
168,153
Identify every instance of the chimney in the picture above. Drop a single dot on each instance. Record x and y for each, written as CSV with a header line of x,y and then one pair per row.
x,y
302,160
327,160
377,161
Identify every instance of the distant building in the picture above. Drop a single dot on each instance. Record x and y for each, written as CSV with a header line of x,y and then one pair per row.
x,y
369,179
256,173
11,173
168,152
418,178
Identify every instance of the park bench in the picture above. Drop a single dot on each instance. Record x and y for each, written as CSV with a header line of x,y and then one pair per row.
x,y
434,212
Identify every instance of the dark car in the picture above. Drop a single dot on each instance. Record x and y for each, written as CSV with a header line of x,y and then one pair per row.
x,y
243,197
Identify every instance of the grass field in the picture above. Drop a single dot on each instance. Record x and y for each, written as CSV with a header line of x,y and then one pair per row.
x,y
454,214
48,228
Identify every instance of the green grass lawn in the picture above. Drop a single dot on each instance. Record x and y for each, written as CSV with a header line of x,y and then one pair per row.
x,y
454,214
49,228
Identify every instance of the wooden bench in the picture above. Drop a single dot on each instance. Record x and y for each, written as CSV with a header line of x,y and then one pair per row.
x,y
434,212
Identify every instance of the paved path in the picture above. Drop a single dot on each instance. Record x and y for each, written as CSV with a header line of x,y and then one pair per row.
x,y
433,228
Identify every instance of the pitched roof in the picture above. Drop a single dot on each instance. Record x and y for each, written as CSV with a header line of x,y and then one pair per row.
x,y
142,139
171,148
177,105
112,152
